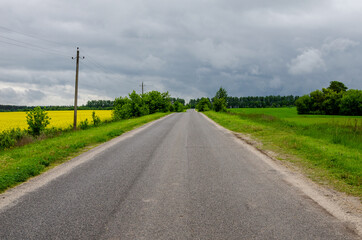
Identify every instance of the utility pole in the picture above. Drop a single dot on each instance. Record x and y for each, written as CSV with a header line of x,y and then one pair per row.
x,y
142,88
76,90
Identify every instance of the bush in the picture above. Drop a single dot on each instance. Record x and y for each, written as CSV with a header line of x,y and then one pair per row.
x,y
122,108
219,104
37,120
9,138
178,107
303,104
203,105
157,102
351,103
84,124
96,119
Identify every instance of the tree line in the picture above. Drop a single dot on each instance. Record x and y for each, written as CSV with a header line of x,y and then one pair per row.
x,y
253,102
90,105
334,100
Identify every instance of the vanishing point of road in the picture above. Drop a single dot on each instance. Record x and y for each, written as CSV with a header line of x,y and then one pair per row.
x,y
181,177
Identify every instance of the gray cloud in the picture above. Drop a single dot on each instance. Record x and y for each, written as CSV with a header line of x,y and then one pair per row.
x,y
309,61
19,97
189,48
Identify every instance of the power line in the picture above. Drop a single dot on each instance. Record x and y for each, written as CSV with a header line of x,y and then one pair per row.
x,y
32,46
98,65
30,35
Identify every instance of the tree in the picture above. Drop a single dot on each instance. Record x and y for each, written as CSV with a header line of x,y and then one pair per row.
x,y
331,101
303,104
219,104
221,93
157,102
37,120
138,106
219,101
203,105
351,103
317,99
337,86
178,107
122,108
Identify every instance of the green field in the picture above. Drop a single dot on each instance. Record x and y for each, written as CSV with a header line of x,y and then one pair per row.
x,y
21,163
327,148
291,115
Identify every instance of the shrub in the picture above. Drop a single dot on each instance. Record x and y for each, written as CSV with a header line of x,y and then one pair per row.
x,y
351,103
303,104
96,119
203,105
84,124
178,107
37,120
9,138
219,104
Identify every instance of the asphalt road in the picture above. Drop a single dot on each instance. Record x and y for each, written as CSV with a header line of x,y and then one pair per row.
x,y
180,178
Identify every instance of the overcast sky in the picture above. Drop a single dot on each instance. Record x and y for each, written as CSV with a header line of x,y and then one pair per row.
x,y
189,48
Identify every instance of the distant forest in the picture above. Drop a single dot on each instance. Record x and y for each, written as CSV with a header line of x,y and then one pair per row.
x,y
232,102
255,102
91,105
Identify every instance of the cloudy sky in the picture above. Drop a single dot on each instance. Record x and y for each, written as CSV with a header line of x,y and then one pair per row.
x,y
189,48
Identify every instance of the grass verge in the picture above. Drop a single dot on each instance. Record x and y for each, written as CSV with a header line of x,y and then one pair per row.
x,y
325,160
19,164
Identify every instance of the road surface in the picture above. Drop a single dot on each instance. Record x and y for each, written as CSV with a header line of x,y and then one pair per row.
x,y
180,178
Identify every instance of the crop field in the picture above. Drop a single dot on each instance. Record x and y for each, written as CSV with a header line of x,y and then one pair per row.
x,y
328,148
59,119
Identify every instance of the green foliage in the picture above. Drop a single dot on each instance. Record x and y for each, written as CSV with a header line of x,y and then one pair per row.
x,y
99,104
9,138
37,120
203,105
84,124
337,87
221,93
351,103
317,99
96,119
178,107
331,101
303,104
157,102
219,104
334,100
136,105
255,102
219,101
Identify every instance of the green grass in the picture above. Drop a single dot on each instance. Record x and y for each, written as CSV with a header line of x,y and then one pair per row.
x,y
327,148
19,164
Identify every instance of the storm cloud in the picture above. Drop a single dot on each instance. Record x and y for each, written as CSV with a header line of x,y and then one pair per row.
x,y
189,48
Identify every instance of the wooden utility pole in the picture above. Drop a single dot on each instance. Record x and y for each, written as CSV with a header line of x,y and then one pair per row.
x,y
76,90
143,86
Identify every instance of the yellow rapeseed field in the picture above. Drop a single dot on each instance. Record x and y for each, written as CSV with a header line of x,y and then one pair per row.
x,y
61,119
